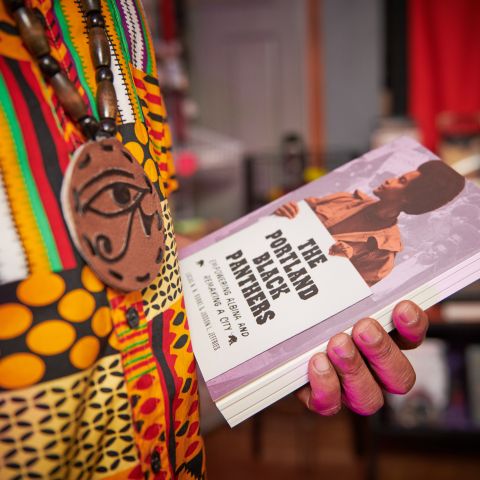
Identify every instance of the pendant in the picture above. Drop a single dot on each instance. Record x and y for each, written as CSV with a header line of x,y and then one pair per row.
x,y
113,213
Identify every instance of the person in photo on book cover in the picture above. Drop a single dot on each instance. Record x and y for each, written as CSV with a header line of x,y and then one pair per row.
x,y
365,228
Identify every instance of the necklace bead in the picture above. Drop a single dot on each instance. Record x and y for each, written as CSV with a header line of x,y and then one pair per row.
x,y
32,32
48,66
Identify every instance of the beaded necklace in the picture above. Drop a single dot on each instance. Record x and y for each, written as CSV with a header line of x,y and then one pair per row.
x,y
110,206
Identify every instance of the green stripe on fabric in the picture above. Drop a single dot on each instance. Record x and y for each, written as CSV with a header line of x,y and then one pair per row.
x,y
136,344
148,45
112,6
57,6
131,379
47,239
137,359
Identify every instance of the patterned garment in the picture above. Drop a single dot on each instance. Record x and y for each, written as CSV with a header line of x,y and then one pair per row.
x,y
93,384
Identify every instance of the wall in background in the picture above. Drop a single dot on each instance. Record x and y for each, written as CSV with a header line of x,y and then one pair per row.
x,y
353,69
248,69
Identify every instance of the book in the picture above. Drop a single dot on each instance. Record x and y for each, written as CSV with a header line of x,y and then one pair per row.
x,y
266,292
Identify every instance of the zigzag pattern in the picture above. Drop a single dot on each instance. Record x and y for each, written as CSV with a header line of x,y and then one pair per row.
x,y
137,47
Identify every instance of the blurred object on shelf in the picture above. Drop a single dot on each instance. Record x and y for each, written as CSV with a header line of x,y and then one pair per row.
x,y
472,359
293,153
456,414
460,311
210,171
460,141
428,400
196,228
186,163
267,177
390,128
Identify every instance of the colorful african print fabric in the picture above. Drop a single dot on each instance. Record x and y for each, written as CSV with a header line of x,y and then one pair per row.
x,y
93,383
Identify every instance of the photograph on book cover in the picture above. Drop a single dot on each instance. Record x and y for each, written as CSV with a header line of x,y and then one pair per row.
x,y
429,223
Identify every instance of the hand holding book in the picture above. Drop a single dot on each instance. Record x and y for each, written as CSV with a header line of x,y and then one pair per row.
x,y
344,373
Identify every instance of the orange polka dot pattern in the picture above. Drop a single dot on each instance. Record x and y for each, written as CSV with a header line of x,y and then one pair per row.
x,y
52,323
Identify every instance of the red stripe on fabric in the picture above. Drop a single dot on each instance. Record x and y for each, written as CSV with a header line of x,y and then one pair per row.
x,y
157,135
153,98
139,83
132,335
45,192
136,350
138,365
50,202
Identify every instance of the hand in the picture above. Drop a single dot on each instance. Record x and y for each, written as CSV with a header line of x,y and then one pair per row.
x,y
341,249
342,375
289,210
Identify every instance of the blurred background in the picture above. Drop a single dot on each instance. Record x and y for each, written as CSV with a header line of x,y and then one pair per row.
x,y
265,95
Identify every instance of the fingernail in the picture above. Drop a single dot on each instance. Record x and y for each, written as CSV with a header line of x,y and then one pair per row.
x,y
407,314
343,347
321,364
370,334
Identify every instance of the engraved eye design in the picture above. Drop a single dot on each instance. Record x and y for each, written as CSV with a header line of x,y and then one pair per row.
x,y
115,199
109,194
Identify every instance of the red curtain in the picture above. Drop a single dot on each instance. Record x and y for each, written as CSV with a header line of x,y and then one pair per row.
x,y
443,60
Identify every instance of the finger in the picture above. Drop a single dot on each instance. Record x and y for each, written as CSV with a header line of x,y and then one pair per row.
x,y
390,365
361,393
295,207
323,394
290,209
411,324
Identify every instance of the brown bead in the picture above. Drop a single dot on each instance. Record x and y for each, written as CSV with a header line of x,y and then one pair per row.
x,y
89,126
32,31
68,96
108,128
99,47
48,65
95,19
90,5
106,100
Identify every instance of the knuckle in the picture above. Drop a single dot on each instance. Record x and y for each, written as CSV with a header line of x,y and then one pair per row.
x,y
370,405
384,350
404,384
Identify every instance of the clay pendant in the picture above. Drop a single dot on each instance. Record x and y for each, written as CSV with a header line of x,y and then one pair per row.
x,y
114,216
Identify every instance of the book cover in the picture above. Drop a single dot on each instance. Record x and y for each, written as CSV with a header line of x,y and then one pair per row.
x,y
374,230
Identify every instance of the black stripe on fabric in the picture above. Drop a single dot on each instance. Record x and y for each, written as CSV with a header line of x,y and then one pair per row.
x,y
156,117
151,80
8,28
45,141
157,344
44,137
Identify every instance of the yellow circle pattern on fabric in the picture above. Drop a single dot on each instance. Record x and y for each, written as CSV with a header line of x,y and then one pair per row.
x,y
141,133
136,150
51,337
113,342
77,305
90,281
151,170
102,322
20,370
41,289
14,320
84,352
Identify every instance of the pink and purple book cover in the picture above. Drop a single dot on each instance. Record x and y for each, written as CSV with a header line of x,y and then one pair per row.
x,y
398,214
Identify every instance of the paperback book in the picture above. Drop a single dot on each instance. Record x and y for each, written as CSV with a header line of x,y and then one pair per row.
x,y
266,292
